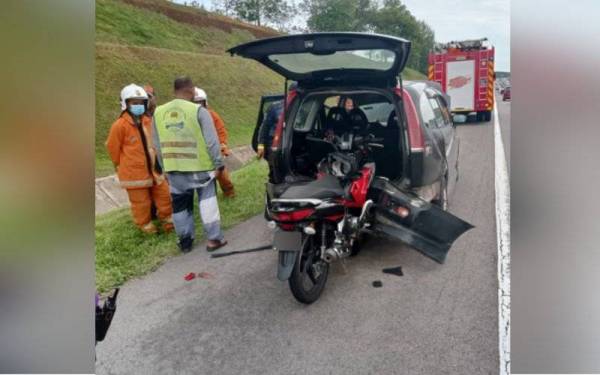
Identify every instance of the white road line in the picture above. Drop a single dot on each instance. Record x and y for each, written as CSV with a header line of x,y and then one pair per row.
x,y
503,240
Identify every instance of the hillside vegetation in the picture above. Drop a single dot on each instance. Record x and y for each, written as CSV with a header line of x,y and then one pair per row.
x,y
154,41
136,44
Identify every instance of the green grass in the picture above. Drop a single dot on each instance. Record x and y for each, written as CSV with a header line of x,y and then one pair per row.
x,y
124,252
411,74
117,22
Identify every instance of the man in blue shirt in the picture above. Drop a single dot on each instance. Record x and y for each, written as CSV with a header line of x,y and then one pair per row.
x,y
267,129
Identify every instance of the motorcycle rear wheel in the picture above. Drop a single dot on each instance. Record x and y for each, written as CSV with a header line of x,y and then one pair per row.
x,y
310,273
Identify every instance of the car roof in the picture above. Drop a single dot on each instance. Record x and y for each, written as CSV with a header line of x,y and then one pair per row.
x,y
420,85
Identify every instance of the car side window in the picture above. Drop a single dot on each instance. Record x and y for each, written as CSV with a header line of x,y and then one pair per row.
x,y
437,111
305,117
378,112
427,112
445,111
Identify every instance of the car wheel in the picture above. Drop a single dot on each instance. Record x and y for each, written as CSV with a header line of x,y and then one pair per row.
x,y
487,116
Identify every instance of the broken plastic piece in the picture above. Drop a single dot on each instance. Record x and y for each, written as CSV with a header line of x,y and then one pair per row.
x,y
252,250
190,276
394,271
377,284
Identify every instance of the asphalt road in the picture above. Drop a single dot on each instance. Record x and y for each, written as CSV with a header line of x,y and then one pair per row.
x,y
436,319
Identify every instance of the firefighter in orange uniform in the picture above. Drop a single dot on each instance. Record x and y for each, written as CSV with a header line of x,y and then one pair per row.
x,y
130,147
223,178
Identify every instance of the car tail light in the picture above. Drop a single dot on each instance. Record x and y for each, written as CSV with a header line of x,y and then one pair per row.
x,y
293,215
402,211
279,128
415,132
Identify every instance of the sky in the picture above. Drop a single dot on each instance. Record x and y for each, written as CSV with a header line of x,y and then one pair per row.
x,y
458,20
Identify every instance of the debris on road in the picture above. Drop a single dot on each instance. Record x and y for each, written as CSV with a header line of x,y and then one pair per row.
x,y
377,284
394,271
202,275
251,250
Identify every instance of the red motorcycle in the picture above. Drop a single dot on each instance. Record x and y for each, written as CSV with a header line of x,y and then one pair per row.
x,y
323,220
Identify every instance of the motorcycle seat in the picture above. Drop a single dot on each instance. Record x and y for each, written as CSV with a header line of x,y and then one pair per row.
x,y
325,187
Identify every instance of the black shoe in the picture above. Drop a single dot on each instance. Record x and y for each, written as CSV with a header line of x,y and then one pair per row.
x,y
213,248
185,244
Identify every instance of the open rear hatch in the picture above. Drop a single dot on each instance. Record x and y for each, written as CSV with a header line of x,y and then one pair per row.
x,y
330,57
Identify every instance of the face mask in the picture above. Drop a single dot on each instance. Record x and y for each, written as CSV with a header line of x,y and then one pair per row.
x,y
137,109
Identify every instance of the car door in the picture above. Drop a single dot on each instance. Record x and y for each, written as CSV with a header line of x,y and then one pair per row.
x,y
433,157
265,103
404,216
450,139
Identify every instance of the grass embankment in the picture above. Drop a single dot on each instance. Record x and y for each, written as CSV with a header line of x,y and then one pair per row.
x,y
411,74
140,45
123,252
121,23
219,76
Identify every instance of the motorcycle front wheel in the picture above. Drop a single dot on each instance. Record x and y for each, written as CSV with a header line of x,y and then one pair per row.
x,y
310,272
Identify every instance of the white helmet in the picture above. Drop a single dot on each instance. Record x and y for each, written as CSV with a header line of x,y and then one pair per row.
x,y
199,94
132,91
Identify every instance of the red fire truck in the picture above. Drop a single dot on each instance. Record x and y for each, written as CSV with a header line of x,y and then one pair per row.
x,y
465,69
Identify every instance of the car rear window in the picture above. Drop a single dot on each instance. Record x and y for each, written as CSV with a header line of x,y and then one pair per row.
x,y
376,59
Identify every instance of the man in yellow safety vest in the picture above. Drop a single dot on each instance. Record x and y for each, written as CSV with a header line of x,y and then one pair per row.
x,y
189,152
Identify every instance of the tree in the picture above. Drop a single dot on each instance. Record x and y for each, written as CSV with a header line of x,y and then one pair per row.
x,y
338,15
394,19
264,11
390,17
224,7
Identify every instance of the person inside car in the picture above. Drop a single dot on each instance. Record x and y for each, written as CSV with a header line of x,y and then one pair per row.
x,y
335,123
348,105
345,122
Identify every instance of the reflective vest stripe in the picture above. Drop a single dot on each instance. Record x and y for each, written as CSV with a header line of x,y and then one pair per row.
x,y
179,155
136,183
179,144
182,144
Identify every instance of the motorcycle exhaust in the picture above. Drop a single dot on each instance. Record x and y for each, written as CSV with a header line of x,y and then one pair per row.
x,y
334,254
331,255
